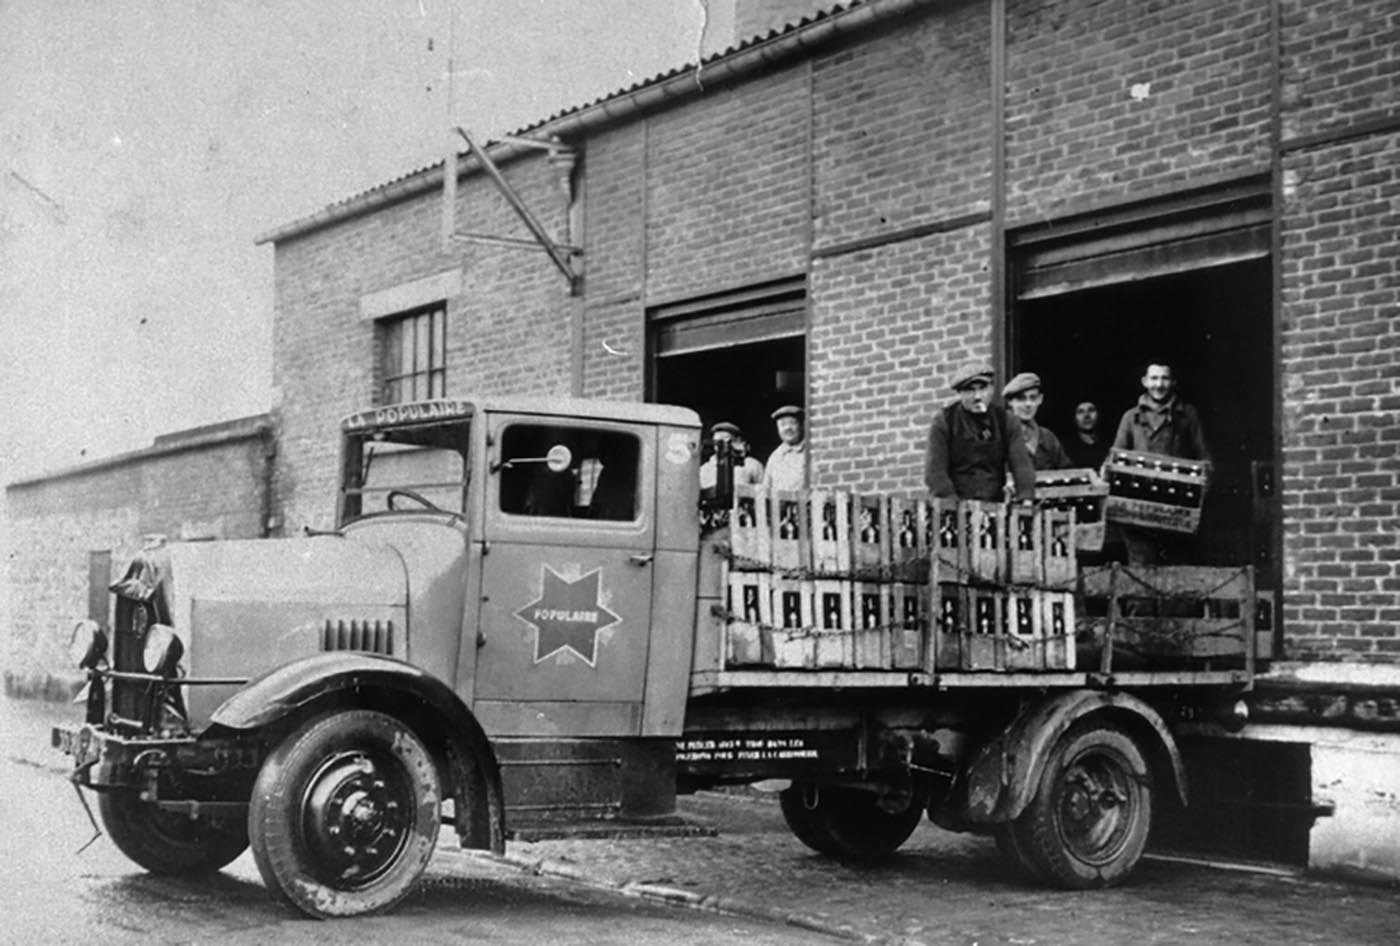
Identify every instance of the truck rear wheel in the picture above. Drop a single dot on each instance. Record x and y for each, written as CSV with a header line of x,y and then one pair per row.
x,y
345,814
1088,823
846,823
165,842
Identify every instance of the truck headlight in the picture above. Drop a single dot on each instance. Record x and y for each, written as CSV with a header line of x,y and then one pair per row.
x,y
163,650
87,645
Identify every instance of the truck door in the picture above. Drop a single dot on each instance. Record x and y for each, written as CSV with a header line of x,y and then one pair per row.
x,y
569,533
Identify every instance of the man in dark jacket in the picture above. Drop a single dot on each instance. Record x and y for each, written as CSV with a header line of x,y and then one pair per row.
x,y
1160,423
973,444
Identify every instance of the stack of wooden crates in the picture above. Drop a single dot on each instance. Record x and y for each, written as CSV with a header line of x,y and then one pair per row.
x,y
827,579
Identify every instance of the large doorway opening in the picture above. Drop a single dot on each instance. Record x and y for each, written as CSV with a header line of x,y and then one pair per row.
x,y
1214,327
1187,279
735,356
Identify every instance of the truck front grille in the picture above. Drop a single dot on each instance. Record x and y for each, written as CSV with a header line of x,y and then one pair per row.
x,y
377,637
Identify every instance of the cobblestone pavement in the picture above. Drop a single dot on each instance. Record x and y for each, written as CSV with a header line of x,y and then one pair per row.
x,y
954,889
941,888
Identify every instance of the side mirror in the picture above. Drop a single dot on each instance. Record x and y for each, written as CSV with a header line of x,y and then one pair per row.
x,y
559,458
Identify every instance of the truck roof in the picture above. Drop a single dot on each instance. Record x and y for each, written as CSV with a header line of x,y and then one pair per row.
x,y
593,408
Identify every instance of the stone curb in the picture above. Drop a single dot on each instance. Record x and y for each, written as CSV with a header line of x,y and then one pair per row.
x,y
673,896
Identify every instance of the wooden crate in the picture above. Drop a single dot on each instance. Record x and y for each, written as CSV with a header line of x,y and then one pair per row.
x,y
794,644
1025,545
908,625
945,536
1155,491
1022,614
984,531
750,539
871,618
1059,567
1168,617
908,550
789,521
1057,629
830,530
870,538
983,643
746,642
947,602
834,633
1079,489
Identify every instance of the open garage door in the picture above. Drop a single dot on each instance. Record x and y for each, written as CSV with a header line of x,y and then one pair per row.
x,y
1189,280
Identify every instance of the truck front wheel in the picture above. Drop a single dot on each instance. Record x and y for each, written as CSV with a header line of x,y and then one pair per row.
x,y
345,814
165,842
1088,822
846,823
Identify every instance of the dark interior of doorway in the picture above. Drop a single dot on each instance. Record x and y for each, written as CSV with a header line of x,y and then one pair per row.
x,y
742,384
1215,326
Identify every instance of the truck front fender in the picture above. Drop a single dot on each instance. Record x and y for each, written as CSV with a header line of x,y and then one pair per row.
x,y
419,698
1006,773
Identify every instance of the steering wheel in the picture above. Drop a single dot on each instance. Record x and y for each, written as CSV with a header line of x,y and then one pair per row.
x,y
419,498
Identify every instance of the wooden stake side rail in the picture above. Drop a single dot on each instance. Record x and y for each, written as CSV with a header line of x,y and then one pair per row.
x,y
974,594
714,681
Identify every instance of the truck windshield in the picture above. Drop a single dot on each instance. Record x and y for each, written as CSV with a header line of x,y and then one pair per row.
x,y
404,468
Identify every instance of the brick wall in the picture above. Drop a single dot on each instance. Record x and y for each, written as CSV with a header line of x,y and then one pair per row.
x,y
215,487
1079,133
1339,63
889,325
1340,267
727,187
902,128
614,214
507,332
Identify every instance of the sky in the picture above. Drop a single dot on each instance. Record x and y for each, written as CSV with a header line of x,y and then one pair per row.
x,y
147,143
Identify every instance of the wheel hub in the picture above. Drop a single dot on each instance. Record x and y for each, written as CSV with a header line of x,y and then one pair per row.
x,y
356,818
1094,810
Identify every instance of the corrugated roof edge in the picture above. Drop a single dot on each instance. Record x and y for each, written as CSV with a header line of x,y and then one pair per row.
x,y
684,80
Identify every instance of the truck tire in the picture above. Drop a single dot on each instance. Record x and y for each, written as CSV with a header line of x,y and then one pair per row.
x,y
345,814
845,823
1088,823
164,842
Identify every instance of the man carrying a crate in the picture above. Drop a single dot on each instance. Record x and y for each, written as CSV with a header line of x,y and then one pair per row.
x,y
973,444
1160,423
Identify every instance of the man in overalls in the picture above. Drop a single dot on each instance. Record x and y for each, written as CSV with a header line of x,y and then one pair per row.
x,y
973,443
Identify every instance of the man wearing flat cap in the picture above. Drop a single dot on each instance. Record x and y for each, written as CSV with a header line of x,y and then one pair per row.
x,y
973,444
1023,396
786,468
747,470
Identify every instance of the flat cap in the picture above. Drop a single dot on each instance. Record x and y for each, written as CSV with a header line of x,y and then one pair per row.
x,y
787,410
970,372
725,427
1022,382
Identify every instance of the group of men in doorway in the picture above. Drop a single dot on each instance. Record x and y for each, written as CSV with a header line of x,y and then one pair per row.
x,y
977,446
786,468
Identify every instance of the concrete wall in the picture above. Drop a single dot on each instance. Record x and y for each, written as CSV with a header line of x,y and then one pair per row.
x,y
207,483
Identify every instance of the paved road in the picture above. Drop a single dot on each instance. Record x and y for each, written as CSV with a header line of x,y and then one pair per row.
x,y
941,889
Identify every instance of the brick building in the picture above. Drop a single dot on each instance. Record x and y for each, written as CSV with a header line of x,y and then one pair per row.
x,y
841,210
72,531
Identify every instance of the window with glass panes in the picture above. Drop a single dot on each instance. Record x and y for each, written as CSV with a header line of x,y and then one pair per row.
x,y
414,365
